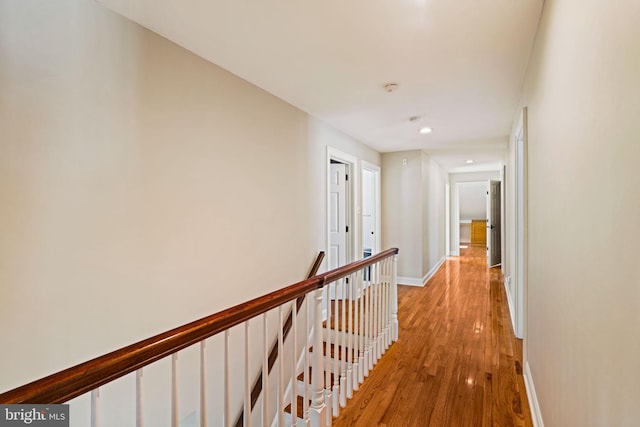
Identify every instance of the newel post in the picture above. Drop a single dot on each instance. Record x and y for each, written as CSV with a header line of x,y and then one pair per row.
x,y
317,410
394,299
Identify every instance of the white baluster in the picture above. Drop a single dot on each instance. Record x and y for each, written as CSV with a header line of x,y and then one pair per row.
x,y
379,317
394,298
294,359
203,384
95,408
335,359
227,393
307,380
265,372
139,408
356,329
343,344
361,336
383,309
246,414
374,314
374,281
280,405
367,324
388,303
328,396
349,337
174,391
317,411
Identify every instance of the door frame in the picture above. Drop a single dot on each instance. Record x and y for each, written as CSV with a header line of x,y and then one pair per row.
x,y
377,206
447,220
454,229
353,245
521,196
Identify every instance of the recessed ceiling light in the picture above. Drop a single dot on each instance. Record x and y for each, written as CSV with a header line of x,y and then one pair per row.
x,y
469,162
425,130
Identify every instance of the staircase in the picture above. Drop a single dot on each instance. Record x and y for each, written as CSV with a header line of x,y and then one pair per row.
x,y
356,333
348,317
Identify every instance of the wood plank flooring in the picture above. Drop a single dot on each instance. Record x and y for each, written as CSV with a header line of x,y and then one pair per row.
x,y
456,363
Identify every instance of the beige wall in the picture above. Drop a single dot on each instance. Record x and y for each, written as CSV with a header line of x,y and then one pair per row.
x,y
472,200
140,186
402,209
434,181
583,101
413,212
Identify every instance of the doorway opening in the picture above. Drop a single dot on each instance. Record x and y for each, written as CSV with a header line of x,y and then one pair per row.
x,y
371,227
472,213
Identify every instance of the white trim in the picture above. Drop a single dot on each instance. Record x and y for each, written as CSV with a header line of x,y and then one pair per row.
x,y
433,271
447,217
520,216
413,281
510,300
536,414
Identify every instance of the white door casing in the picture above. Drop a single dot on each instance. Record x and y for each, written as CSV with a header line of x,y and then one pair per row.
x,y
494,241
518,289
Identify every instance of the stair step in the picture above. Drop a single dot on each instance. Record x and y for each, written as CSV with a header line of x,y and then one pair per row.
x,y
299,407
333,348
324,375
335,321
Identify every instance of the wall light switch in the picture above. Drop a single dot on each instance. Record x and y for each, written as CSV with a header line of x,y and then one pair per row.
x,y
404,162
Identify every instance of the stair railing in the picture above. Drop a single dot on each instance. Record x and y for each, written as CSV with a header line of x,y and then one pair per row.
x,y
345,347
256,390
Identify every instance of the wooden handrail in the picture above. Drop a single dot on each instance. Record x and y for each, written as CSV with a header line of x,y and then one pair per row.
x,y
256,390
77,380
316,265
339,273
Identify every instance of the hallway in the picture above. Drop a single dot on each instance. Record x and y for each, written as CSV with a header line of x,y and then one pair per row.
x,y
456,363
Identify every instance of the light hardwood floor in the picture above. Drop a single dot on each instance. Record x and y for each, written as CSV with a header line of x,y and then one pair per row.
x,y
456,363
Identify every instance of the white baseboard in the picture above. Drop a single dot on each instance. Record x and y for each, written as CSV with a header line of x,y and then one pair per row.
x,y
411,281
536,415
433,271
414,281
510,304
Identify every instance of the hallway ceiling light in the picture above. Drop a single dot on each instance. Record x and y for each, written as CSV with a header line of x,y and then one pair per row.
x,y
425,130
469,162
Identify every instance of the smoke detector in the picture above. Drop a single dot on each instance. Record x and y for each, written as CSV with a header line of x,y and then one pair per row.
x,y
390,87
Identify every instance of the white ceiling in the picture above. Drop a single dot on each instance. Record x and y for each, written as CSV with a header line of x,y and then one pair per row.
x,y
459,64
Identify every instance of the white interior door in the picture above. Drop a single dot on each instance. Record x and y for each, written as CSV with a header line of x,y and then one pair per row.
x,y
337,215
493,224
